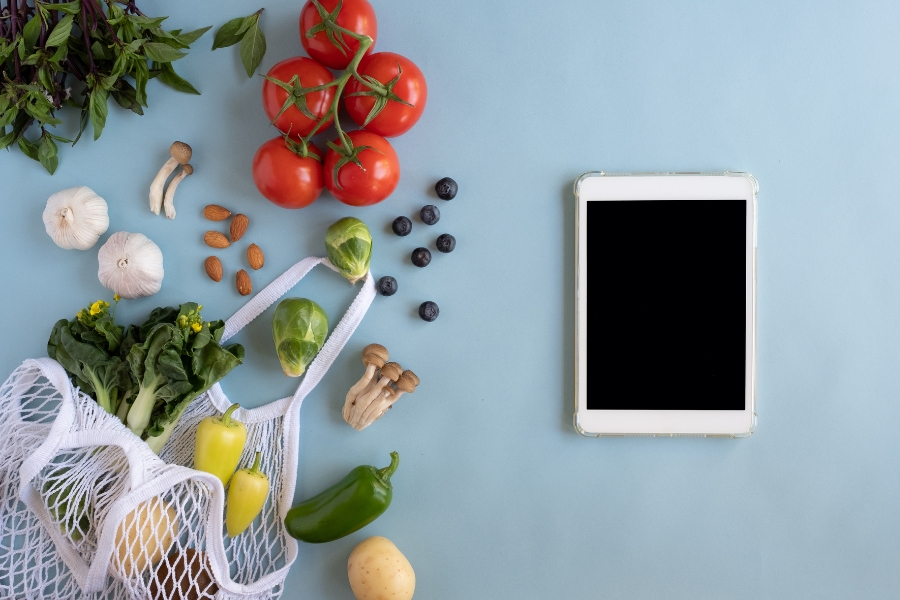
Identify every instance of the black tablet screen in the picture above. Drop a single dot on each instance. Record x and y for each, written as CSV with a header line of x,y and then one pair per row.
x,y
666,304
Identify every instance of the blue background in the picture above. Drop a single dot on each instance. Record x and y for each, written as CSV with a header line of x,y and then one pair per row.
x,y
497,497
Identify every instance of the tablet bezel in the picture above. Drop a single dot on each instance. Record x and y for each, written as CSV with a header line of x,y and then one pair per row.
x,y
601,186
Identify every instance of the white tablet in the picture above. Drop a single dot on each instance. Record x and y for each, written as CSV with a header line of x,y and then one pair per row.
x,y
665,304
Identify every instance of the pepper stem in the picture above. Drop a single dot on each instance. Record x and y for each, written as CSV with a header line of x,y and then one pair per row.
x,y
386,472
226,418
255,468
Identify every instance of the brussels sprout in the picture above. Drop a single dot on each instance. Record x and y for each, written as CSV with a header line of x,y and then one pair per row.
x,y
349,245
299,327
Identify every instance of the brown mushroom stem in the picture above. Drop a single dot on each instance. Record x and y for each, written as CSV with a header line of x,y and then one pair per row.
x,y
374,356
169,201
406,383
390,372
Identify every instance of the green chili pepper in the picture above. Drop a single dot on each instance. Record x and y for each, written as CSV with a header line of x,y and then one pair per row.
x,y
349,505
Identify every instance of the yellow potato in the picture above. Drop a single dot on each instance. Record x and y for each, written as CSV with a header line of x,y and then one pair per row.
x,y
379,571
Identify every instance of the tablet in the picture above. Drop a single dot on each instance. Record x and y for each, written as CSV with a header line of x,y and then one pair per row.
x,y
665,291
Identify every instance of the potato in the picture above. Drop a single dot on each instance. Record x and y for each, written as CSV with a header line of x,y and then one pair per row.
x,y
144,536
379,571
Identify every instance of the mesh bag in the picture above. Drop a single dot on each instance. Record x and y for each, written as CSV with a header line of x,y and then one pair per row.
x,y
88,510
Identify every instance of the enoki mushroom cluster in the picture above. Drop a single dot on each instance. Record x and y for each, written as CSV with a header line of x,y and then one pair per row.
x,y
381,385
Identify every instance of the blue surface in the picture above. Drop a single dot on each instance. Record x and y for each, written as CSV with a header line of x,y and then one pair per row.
x,y
497,497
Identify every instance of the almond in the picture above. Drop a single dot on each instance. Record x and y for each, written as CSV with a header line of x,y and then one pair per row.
x,y
244,285
255,257
214,239
213,268
238,227
214,212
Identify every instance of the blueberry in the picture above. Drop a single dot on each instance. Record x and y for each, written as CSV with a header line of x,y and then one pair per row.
x,y
430,214
421,257
429,311
401,226
387,286
445,243
446,188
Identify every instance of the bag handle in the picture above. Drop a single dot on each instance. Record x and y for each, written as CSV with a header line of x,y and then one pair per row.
x,y
326,356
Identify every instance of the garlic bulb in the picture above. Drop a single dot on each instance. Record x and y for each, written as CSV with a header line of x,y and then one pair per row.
x,y
76,218
130,265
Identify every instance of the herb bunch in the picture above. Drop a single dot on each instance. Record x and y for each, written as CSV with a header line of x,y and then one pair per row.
x,y
98,48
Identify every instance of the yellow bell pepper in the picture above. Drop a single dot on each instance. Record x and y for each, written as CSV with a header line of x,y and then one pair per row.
x,y
246,497
219,444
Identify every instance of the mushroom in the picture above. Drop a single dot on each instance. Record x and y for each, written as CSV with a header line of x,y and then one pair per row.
x,y
169,201
180,155
390,372
373,356
405,384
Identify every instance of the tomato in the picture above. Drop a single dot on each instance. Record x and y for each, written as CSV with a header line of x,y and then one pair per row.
x,y
310,74
372,183
395,118
284,177
356,15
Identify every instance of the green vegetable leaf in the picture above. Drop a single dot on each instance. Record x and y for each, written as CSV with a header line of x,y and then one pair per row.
x,y
28,148
169,77
141,75
126,96
146,22
190,37
30,33
8,116
162,53
7,138
71,8
99,110
60,33
299,329
47,153
227,35
253,48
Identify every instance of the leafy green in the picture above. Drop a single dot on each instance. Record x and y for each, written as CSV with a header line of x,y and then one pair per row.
x,y
349,246
98,49
87,348
299,328
246,31
145,374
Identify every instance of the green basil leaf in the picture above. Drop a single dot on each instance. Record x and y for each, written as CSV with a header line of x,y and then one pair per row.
x,y
146,22
99,52
162,53
83,121
248,22
47,153
28,148
126,96
141,76
59,138
60,34
169,77
99,110
46,78
8,116
253,48
227,35
31,31
71,8
7,139
189,37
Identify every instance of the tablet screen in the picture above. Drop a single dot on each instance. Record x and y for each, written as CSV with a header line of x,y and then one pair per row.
x,y
666,304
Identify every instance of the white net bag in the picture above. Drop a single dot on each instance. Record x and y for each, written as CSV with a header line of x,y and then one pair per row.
x,y
87,510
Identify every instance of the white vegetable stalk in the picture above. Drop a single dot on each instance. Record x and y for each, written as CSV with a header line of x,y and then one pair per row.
x,y
169,201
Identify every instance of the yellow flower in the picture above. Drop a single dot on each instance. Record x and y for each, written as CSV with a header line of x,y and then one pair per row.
x,y
98,307
196,327
80,314
117,297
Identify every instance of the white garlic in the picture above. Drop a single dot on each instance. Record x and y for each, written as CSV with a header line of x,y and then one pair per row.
x,y
76,218
130,265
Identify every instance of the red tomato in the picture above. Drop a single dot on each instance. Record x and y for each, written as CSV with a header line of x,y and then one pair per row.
x,y
356,15
395,118
284,177
311,74
370,184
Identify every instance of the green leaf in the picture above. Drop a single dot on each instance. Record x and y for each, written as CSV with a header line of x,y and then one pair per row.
x,y
7,138
141,76
99,52
248,22
71,8
83,121
8,116
227,35
59,138
99,110
169,77
126,96
253,48
47,153
45,78
28,148
31,31
60,33
146,22
162,53
190,37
